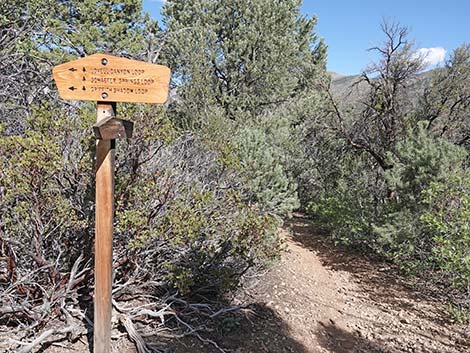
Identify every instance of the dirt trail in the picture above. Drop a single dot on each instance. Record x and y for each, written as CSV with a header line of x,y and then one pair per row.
x,y
322,299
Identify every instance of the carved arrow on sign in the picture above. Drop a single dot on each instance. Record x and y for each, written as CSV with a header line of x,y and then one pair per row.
x,y
72,88
72,69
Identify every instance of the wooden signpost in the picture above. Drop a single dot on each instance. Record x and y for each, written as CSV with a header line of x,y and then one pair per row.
x,y
108,79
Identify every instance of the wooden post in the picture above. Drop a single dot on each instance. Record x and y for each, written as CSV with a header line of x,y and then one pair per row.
x,y
105,152
108,79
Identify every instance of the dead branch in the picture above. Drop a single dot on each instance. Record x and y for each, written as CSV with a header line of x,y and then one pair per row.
x,y
142,346
28,347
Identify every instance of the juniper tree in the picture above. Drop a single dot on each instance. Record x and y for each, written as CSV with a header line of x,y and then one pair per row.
x,y
111,26
445,103
247,64
242,56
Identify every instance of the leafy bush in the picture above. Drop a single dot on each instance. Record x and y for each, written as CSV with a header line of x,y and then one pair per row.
x,y
422,164
350,204
447,223
181,220
188,208
416,213
271,189
46,203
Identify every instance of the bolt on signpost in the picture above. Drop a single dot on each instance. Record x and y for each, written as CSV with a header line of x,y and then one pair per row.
x,y
108,79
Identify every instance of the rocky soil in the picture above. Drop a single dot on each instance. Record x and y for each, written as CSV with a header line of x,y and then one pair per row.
x,y
320,298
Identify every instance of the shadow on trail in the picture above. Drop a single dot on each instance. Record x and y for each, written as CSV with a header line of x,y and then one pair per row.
x,y
263,331
257,329
337,340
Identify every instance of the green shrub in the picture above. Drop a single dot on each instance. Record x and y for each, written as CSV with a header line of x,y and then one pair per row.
x,y
447,223
181,219
46,204
426,222
459,314
183,216
348,207
415,213
271,189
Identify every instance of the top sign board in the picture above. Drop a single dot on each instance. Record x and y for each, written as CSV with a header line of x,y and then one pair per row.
x,y
106,78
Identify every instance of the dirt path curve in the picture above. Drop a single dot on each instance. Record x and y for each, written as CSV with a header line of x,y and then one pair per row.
x,y
322,299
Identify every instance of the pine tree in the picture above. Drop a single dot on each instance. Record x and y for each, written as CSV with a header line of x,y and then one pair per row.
x,y
241,56
246,74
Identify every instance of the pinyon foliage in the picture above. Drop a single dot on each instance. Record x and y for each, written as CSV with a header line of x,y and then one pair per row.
x,y
200,188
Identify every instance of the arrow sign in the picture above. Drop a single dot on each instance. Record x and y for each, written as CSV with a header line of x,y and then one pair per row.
x,y
108,78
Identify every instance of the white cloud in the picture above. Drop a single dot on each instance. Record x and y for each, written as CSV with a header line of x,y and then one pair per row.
x,y
431,56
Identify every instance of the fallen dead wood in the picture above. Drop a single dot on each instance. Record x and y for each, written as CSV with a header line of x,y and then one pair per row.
x,y
28,347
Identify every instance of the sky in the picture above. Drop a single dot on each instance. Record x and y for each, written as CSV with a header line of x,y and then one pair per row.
x,y
350,27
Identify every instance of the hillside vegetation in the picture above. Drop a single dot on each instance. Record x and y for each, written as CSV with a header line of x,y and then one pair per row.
x,y
257,130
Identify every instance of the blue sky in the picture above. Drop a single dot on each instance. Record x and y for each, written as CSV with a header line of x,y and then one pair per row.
x,y
349,27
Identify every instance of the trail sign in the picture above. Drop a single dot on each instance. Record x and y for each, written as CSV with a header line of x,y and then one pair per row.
x,y
102,77
108,79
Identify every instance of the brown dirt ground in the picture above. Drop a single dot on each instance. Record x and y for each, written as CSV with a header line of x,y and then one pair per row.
x,y
320,299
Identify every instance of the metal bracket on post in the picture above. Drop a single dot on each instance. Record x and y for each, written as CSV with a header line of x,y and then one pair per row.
x,y
112,128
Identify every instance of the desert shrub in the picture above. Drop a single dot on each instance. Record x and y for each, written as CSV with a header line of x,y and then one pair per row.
x,y
188,210
419,162
271,189
46,203
415,214
182,221
447,223
347,208
458,314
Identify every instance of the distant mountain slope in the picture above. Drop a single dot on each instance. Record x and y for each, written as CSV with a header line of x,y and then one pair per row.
x,y
336,75
346,89
343,87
